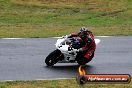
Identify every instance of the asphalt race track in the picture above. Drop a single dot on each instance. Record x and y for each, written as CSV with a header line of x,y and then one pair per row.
x,y
23,59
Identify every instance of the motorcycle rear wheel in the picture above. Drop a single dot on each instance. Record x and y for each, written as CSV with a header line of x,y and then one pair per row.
x,y
54,57
81,60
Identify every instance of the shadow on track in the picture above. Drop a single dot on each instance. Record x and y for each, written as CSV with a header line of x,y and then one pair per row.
x,y
69,69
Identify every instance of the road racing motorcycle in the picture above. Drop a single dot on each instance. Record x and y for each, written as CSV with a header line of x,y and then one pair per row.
x,y
66,51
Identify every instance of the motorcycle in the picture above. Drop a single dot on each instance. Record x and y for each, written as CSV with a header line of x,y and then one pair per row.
x,y
66,51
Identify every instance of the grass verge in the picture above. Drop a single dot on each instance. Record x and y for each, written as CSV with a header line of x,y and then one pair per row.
x,y
48,18
40,31
67,83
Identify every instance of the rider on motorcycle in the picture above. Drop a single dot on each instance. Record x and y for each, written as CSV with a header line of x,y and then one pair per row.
x,y
88,46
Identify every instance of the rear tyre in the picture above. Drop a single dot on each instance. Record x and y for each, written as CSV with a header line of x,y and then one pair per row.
x,y
54,57
81,60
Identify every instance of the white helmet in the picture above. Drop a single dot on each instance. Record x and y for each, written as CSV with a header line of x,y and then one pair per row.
x,y
83,29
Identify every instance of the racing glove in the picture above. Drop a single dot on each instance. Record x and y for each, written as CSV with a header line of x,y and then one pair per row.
x,y
79,50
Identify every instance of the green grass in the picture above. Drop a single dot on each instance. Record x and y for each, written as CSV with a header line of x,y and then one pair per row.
x,y
46,18
68,83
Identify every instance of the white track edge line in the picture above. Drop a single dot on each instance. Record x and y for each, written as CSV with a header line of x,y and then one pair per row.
x,y
12,38
51,37
37,79
95,36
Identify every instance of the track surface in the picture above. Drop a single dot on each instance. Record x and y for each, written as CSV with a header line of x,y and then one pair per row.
x,y
23,59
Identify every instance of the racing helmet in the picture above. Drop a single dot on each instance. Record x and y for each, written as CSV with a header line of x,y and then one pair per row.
x,y
83,33
82,29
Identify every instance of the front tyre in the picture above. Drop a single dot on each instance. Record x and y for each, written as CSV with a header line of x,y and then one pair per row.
x,y
54,57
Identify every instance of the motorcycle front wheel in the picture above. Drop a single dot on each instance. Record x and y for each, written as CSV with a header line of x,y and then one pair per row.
x,y
54,57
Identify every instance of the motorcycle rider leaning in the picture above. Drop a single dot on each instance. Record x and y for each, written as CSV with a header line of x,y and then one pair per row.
x,y
88,46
